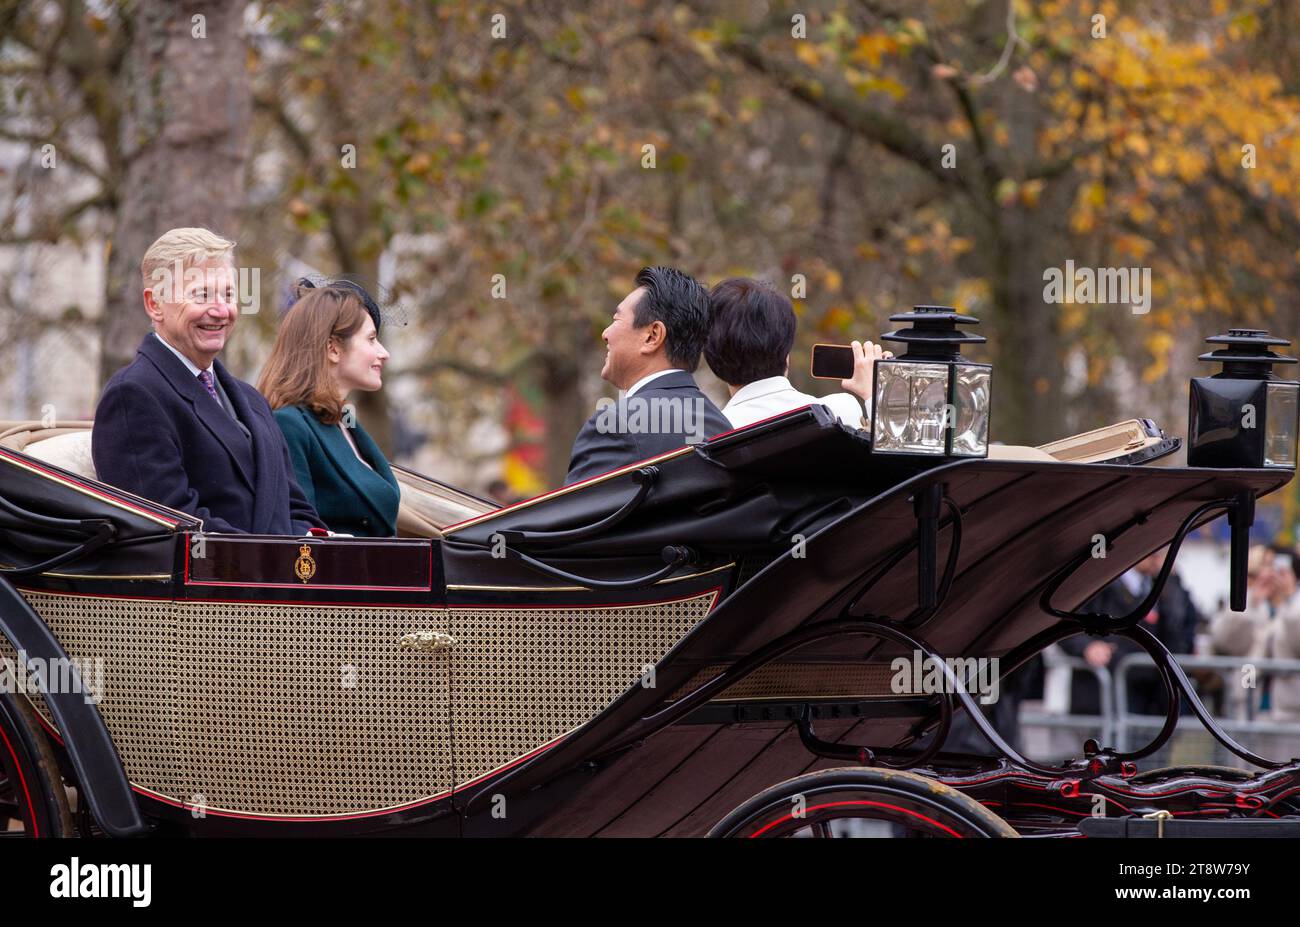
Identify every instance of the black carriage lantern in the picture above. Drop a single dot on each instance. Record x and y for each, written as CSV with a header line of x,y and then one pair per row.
x,y
1244,415
931,401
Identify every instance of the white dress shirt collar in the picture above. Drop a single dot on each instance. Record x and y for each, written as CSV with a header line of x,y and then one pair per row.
x,y
764,387
639,384
770,396
1134,582
189,364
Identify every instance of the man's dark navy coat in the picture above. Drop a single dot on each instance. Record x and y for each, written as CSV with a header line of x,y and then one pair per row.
x,y
160,435
598,449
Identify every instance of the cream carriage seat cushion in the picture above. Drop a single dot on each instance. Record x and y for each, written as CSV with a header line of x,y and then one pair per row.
x,y
70,451
425,505
418,516
1017,452
1101,445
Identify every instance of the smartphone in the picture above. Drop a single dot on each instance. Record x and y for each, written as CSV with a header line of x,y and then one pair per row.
x,y
832,361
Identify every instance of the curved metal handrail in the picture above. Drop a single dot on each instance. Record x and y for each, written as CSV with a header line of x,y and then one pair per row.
x,y
96,532
646,477
674,556
1098,623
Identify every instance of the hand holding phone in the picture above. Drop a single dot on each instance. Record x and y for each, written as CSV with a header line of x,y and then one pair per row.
x,y
832,361
851,364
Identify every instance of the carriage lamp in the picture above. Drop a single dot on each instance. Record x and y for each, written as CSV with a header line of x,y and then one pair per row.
x,y
931,400
1244,415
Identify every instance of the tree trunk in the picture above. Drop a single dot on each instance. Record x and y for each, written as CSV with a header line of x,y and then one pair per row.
x,y
1024,343
185,143
563,409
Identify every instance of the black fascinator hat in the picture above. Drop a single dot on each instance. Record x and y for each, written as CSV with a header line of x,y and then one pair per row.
x,y
380,311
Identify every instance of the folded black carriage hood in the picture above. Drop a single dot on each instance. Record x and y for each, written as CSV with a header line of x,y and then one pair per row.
x,y
745,490
143,531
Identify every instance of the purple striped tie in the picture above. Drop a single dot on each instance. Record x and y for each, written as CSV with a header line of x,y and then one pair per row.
x,y
205,377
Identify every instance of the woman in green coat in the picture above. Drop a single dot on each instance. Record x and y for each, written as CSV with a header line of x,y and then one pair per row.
x,y
327,347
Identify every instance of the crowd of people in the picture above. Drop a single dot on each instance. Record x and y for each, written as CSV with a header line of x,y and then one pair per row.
x,y
290,457
1269,628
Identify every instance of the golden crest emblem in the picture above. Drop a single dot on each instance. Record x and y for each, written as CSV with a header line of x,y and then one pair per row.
x,y
305,566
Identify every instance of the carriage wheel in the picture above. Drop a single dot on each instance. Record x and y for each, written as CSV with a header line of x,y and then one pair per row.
x,y
33,800
862,802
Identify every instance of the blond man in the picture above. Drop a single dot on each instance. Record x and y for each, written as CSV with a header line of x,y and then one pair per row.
x,y
174,425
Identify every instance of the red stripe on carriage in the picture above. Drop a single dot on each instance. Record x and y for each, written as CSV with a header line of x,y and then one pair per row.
x,y
205,599
93,490
359,588
873,804
18,767
715,590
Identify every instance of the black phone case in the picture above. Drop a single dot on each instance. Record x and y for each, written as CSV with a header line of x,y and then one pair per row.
x,y
832,361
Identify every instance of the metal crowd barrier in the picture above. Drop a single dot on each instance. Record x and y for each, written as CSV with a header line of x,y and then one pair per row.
x,y
1117,725
1246,705
1052,720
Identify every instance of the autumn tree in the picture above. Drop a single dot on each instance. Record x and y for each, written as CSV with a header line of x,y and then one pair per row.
x,y
507,167
1032,134
145,106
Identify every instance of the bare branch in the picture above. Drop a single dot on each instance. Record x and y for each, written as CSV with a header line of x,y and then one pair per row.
x,y
1013,39
53,227
301,143
892,134
64,150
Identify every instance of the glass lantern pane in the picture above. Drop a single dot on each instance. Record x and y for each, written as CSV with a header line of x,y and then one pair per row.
x,y
909,407
928,410
1283,406
896,403
971,397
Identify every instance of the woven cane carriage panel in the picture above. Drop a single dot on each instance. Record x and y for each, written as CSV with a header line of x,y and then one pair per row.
x,y
125,646
294,709
523,677
801,680
266,709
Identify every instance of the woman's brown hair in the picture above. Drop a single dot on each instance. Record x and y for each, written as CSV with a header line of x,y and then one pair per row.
x,y
297,372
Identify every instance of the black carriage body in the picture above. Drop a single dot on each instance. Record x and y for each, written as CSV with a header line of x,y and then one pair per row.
x,y
261,685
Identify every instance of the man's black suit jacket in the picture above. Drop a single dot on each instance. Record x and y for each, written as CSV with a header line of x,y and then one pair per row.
x,y
661,417
159,434
1175,626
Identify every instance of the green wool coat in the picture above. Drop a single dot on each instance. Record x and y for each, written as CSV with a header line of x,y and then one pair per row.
x,y
349,497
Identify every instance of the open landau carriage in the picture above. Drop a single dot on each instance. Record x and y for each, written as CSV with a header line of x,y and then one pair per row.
x,y
700,643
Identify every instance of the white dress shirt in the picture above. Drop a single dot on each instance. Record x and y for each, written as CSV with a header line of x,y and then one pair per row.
x,y
189,364
223,400
762,399
1136,583
647,378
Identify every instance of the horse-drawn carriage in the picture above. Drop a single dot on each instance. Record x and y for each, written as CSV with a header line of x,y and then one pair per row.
x,y
704,642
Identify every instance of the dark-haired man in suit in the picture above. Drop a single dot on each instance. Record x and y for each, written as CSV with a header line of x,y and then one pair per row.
x,y
175,426
654,344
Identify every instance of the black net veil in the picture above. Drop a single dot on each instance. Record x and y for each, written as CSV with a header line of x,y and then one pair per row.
x,y
384,310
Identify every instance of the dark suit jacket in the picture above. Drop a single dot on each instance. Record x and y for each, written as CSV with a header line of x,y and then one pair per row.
x,y
1175,627
348,495
159,434
633,429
